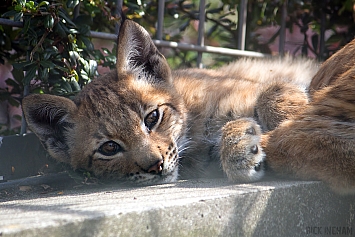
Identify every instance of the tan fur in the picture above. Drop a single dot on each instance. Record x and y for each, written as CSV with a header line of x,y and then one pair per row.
x,y
320,142
214,97
199,121
332,69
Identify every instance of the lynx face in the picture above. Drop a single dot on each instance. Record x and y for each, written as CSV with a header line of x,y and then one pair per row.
x,y
127,124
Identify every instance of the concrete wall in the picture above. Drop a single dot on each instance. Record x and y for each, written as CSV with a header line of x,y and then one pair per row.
x,y
186,208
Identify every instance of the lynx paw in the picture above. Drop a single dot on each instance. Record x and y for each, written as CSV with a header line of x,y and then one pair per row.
x,y
241,154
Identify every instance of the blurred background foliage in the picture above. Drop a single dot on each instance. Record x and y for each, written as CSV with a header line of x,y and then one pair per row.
x,y
54,53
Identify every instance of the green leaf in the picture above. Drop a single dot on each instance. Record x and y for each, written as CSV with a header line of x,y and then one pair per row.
x,y
65,28
74,56
43,3
85,64
18,16
13,102
29,66
92,68
83,20
64,16
47,64
27,23
45,74
58,29
216,10
48,22
75,86
22,65
98,55
18,8
9,13
17,74
88,44
84,75
84,30
21,2
30,75
57,90
106,50
212,30
62,68
38,90
72,3
30,5
12,83
50,52
66,86
184,25
334,39
72,31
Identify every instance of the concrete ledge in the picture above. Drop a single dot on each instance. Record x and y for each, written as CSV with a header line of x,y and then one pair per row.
x,y
185,208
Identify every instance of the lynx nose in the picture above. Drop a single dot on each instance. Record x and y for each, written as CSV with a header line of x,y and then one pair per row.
x,y
156,168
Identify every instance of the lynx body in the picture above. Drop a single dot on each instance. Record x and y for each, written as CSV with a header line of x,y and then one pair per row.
x,y
145,123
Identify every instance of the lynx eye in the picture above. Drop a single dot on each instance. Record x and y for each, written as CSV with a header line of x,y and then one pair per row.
x,y
152,119
110,148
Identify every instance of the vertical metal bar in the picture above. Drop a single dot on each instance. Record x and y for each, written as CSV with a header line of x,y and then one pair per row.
x,y
23,130
201,31
321,55
160,23
26,91
283,29
117,12
242,24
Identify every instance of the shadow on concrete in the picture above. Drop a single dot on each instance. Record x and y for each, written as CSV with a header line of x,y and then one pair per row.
x,y
187,208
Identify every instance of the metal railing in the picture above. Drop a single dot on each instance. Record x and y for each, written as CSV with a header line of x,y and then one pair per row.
x,y
199,47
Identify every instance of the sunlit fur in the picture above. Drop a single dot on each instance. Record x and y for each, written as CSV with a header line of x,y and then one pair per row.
x,y
244,119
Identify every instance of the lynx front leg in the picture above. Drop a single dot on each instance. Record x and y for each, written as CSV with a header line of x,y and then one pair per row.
x,y
278,103
240,151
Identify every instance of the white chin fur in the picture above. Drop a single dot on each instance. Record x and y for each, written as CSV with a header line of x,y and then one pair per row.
x,y
150,179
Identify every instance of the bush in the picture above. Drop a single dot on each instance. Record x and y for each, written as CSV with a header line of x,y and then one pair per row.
x,y
53,52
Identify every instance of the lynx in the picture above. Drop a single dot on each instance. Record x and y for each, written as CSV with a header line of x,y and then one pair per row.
x,y
147,124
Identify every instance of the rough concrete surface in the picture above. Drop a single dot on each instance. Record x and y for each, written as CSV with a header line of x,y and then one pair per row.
x,y
185,208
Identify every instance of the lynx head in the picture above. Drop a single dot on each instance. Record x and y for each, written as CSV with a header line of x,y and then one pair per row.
x,y
126,125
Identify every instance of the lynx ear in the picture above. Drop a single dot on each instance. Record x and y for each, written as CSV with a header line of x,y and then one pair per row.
x,y
137,54
48,116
